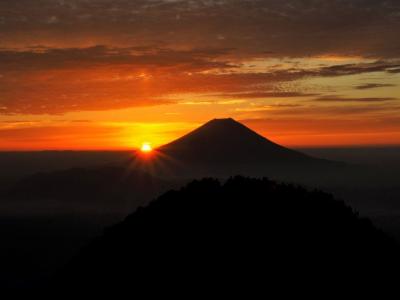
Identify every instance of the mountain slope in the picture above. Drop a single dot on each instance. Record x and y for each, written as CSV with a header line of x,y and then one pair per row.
x,y
224,147
228,141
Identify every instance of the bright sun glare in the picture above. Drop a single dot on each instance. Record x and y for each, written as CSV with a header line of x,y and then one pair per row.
x,y
146,147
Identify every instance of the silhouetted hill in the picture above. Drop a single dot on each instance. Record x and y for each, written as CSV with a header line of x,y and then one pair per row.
x,y
241,234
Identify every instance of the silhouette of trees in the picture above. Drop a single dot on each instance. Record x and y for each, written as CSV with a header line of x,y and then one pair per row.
x,y
242,232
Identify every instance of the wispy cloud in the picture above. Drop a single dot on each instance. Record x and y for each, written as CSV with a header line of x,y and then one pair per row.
x,y
334,98
368,86
267,94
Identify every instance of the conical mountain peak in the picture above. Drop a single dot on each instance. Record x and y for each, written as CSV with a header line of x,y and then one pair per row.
x,y
226,140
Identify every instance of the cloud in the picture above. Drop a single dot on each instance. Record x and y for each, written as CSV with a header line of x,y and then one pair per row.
x,y
394,71
370,112
321,125
267,94
288,28
359,68
55,81
334,98
64,136
98,56
277,109
58,80
368,86
336,131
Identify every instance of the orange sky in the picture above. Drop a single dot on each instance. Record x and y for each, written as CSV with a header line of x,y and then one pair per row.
x,y
115,74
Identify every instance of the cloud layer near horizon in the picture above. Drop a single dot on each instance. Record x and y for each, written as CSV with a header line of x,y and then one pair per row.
x,y
54,81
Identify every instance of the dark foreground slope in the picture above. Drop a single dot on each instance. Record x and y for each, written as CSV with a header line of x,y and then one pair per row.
x,y
241,232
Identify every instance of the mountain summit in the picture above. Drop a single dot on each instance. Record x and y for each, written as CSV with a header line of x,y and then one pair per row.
x,y
225,147
223,141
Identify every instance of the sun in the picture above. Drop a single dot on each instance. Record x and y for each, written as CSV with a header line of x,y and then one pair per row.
x,y
146,147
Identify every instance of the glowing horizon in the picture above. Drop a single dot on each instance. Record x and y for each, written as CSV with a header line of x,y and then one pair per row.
x,y
156,138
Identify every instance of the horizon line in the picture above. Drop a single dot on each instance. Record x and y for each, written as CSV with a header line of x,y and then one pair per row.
x,y
128,149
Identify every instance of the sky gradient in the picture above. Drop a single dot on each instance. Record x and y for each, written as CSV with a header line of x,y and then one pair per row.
x,y
102,74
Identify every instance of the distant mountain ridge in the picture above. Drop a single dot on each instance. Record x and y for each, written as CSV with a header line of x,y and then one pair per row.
x,y
106,188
